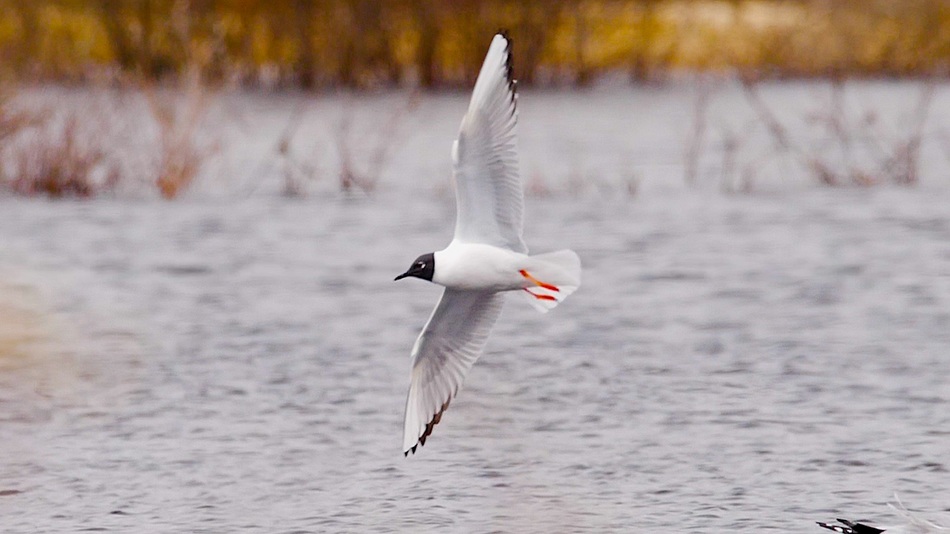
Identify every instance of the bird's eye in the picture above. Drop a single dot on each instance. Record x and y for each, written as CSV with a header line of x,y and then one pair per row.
x,y
421,265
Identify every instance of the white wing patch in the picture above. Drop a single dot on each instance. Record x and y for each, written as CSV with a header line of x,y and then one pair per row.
x,y
446,349
489,192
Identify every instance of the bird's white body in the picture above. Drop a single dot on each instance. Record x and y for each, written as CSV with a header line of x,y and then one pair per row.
x,y
476,266
487,256
480,267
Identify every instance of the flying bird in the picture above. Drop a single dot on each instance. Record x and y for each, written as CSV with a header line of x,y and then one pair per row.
x,y
850,527
912,524
487,256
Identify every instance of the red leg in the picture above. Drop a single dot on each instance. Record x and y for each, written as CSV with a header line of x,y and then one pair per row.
x,y
537,282
539,297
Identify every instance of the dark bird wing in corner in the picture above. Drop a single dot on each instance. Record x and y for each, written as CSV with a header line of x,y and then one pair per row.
x,y
851,527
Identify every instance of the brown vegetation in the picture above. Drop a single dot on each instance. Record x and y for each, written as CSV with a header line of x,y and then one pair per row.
x,y
861,156
60,161
853,151
385,137
85,151
368,43
295,170
180,153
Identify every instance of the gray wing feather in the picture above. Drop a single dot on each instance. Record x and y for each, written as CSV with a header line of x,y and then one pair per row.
x,y
446,349
488,188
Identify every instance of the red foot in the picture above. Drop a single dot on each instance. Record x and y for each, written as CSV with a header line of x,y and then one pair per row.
x,y
538,283
540,297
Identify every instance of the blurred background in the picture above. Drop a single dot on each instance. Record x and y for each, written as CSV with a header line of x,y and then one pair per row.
x,y
203,204
109,95
312,44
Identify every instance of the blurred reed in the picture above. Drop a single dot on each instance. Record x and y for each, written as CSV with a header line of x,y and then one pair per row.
x,y
177,54
312,44
841,142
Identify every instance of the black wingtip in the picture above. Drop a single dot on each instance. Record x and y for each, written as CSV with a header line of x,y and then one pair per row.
x,y
835,528
509,67
429,426
851,527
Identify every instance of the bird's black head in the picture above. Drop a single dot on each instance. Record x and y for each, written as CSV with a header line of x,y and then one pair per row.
x,y
423,267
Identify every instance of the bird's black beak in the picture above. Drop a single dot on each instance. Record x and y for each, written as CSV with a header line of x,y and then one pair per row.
x,y
400,277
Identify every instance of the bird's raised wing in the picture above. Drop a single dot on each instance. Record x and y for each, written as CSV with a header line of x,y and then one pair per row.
x,y
446,349
488,187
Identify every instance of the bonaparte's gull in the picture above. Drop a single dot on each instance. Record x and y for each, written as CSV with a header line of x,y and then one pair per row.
x,y
912,524
487,255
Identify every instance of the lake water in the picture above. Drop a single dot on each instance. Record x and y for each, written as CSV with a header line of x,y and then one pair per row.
x,y
746,363
730,363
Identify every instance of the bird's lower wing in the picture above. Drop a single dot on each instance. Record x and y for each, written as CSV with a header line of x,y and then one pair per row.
x,y
446,349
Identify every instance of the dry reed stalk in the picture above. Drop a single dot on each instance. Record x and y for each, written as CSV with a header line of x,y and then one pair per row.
x,y
13,120
295,171
780,138
67,163
694,147
730,148
822,171
180,153
904,162
536,185
383,147
897,161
